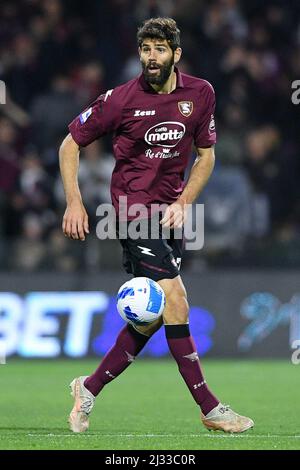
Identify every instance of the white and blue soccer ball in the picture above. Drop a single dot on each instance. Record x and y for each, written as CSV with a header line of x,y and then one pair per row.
x,y
140,301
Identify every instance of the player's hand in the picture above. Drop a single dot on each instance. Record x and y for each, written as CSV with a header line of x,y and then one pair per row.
x,y
75,221
175,215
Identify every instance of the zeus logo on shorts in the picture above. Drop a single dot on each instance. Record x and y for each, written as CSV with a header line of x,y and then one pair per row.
x,y
165,134
146,251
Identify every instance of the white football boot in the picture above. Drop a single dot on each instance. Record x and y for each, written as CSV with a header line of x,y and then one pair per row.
x,y
83,404
223,418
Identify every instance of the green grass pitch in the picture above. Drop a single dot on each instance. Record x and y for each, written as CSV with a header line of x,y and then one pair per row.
x,y
148,406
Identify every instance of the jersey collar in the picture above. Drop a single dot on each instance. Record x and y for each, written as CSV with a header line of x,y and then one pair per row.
x,y
143,85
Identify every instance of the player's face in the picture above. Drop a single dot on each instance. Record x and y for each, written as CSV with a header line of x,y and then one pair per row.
x,y
157,60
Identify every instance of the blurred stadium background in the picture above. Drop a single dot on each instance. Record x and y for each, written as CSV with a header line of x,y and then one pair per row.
x,y
57,296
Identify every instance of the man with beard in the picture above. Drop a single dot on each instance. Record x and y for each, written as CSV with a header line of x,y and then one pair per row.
x,y
155,119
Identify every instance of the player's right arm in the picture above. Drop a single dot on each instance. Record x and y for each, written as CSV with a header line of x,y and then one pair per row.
x,y
101,117
75,223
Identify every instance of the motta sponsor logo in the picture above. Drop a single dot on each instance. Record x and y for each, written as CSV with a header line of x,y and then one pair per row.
x,y
165,134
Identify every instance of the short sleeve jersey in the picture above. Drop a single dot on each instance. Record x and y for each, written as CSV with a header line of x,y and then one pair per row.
x,y
153,135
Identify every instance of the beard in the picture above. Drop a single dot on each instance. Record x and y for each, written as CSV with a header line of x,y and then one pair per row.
x,y
161,76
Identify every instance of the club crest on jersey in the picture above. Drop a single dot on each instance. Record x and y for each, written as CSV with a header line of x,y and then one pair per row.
x,y
186,108
85,115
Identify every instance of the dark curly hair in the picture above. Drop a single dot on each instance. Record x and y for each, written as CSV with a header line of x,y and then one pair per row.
x,y
160,28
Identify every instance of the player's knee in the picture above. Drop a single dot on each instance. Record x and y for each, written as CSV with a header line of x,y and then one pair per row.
x,y
150,329
177,309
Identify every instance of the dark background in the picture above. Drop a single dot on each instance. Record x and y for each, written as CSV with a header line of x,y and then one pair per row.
x,y
58,56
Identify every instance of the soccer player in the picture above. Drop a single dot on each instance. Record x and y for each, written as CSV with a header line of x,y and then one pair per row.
x,y
155,118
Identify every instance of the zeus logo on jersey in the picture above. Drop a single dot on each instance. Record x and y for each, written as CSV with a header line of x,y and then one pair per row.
x,y
139,112
85,115
165,134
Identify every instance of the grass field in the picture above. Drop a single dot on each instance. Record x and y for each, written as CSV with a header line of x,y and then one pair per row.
x,y
148,407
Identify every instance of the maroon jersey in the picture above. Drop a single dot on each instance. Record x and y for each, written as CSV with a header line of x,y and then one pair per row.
x,y
153,135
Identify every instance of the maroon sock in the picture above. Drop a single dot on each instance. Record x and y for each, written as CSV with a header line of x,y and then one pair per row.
x,y
184,351
128,344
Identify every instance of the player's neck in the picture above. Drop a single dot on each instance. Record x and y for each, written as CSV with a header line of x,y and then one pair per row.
x,y
168,86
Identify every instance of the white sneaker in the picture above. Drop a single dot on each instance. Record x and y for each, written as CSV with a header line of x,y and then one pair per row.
x,y
84,402
223,418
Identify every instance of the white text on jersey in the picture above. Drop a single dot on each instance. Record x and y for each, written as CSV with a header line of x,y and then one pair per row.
x,y
139,112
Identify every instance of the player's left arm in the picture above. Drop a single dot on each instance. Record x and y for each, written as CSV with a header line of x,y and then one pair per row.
x,y
175,214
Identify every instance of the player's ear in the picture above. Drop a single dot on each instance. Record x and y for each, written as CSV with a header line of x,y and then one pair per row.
x,y
177,54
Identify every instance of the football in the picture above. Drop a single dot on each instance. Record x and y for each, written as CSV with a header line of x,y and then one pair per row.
x,y
140,301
